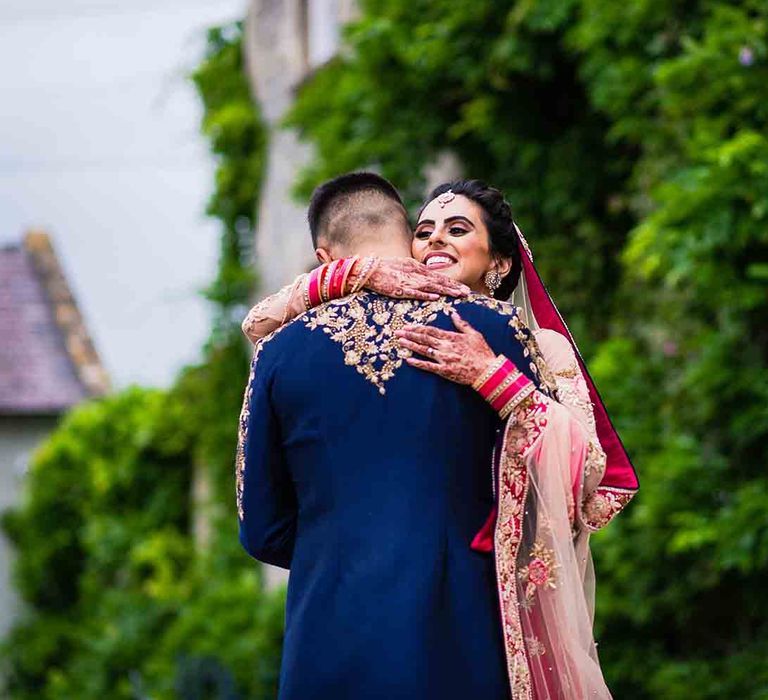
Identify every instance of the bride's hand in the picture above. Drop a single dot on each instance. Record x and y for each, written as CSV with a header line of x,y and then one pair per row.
x,y
406,278
461,357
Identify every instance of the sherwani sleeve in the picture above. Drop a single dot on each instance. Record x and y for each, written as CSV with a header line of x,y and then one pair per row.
x,y
266,499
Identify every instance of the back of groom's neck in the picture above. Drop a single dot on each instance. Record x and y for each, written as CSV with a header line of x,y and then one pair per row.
x,y
381,243
382,251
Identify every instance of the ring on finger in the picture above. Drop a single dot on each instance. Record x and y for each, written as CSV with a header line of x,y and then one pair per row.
x,y
431,352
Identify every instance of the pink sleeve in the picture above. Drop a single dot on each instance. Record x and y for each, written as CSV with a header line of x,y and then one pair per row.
x,y
573,395
274,311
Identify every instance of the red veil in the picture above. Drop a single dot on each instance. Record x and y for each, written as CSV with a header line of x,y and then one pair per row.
x,y
533,297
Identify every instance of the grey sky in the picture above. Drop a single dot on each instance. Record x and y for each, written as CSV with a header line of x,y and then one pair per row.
x,y
99,145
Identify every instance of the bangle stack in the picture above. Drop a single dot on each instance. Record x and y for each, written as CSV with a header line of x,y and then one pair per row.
x,y
327,282
503,386
366,271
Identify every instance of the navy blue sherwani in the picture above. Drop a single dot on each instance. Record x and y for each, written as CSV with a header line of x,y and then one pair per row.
x,y
368,479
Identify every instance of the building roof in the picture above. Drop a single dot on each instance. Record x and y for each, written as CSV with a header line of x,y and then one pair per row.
x,y
47,360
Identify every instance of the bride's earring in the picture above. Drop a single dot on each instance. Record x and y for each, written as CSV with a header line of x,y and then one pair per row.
x,y
492,280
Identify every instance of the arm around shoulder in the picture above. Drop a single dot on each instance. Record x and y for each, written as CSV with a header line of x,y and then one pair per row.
x,y
274,311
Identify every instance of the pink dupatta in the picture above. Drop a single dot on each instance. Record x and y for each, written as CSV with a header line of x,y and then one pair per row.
x,y
561,472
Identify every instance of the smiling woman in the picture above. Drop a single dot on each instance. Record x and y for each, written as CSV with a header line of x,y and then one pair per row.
x,y
463,231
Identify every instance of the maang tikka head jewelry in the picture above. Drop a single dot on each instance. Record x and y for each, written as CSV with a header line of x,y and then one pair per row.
x,y
445,197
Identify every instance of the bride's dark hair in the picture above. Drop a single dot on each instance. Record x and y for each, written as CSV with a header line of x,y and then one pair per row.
x,y
497,216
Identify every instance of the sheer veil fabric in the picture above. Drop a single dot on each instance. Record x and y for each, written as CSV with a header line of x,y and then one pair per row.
x,y
553,475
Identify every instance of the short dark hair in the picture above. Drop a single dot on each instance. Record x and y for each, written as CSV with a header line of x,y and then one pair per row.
x,y
498,219
353,199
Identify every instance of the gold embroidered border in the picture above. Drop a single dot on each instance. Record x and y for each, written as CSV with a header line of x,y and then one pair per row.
x,y
538,364
604,504
519,437
242,424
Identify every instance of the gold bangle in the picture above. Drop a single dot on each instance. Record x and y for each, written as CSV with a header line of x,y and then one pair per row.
x,y
369,272
493,367
356,284
329,270
365,273
305,293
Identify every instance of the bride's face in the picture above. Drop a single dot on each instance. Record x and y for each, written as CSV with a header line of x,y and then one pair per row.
x,y
453,240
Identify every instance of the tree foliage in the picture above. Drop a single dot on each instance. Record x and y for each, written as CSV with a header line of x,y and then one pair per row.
x,y
632,142
124,601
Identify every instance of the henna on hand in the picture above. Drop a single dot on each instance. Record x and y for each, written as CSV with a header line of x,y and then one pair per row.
x,y
406,278
458,356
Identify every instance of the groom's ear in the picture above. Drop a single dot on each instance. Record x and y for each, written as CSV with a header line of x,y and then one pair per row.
x,y
323,255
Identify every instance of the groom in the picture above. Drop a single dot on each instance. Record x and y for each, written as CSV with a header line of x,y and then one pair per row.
x,y
369,478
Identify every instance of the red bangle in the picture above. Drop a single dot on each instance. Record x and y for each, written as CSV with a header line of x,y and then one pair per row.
x,y
500,370
503,385
511,393
337,275
518,400
349,266
315,285
328,281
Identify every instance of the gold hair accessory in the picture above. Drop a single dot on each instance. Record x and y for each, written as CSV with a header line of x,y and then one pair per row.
x,y
445,197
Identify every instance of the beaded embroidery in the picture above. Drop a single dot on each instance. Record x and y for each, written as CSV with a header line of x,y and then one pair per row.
x,y
520,436
540,571
242,424
601,506
363,325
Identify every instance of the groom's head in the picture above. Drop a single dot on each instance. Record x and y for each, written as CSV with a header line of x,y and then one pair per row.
x,y
358,213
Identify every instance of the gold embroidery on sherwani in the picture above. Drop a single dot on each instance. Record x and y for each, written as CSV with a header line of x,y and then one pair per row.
x,y
242,425
363,325
521,433
530,345
366,332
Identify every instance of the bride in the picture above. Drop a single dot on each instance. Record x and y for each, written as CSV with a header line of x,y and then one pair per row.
x,y
559,469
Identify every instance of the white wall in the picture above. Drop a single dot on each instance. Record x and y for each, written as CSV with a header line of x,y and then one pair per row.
x,y
18,438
